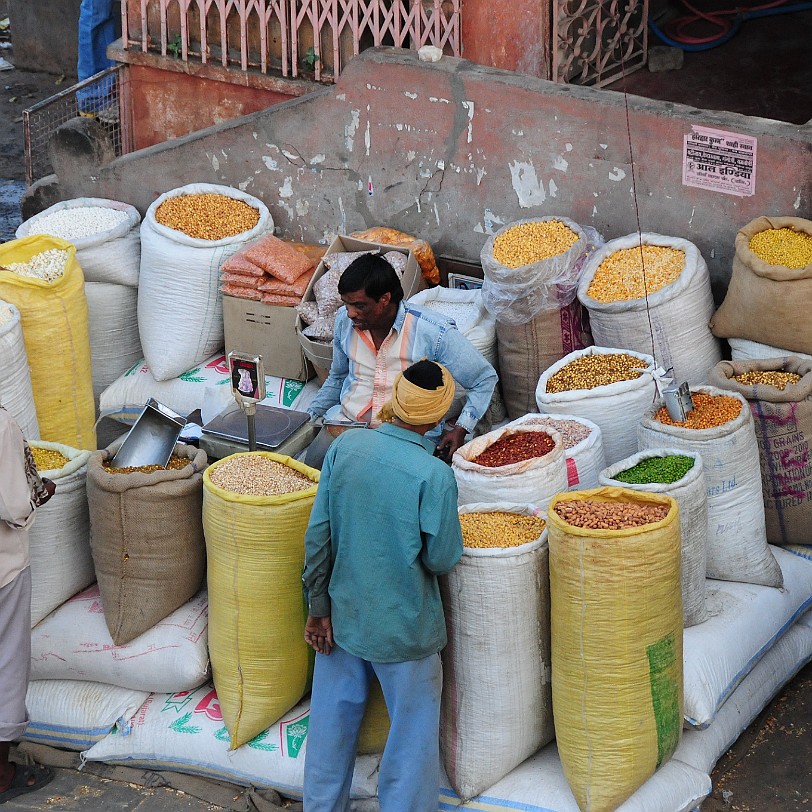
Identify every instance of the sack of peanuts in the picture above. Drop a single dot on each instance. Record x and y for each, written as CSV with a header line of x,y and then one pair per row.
x,y
583,445
680,475
770,285
779,393
611,387
743,350
255,512
146,536
647,290
187,234
720,429
105,233
521,463
16,394
616,624
496,709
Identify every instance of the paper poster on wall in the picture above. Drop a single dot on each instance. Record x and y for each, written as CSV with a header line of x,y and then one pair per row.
x,y
719,160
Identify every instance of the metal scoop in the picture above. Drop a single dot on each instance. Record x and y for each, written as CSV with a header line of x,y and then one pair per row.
x,y
152,438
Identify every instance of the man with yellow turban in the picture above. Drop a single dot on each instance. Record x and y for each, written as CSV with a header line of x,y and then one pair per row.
x,y
384,525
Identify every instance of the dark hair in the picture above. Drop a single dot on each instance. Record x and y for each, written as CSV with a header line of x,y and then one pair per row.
x,y
372,274
425,374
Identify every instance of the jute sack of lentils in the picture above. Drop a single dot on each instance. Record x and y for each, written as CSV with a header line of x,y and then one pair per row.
x,y
16,395
779,393
647,284
41,277
105,233
616,625
496,709
186,236
256,507
680,475
720,429
771,285
146,536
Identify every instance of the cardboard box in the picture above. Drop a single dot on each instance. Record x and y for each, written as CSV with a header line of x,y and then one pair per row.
x,y
269,331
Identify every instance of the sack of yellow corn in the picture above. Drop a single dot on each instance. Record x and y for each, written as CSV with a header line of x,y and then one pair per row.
x,y
616,643
16,394
646,285
770,288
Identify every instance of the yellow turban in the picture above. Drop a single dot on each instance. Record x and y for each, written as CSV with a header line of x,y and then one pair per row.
x,y
417,406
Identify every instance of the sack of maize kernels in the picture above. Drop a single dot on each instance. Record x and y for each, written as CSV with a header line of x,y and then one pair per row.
x,y
524,464
651,293
741,349
16,395
611,387
779,392
720,429
770,285
146,535
255,544
186,236
59,539
105,233
496,708
616,639
47,288
680,475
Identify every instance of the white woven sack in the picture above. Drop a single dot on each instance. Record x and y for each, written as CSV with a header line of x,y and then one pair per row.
x,y
73,643
617,408
184,732
584,460
16,394
112,320
742,349
113,255
534,481
737,547
59,538
180,310
76,715
673,319
692,498
497,707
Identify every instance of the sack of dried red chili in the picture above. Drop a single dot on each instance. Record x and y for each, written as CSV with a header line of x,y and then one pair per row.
x,y
521,464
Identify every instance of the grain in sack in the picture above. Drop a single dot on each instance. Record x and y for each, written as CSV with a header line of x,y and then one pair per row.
x,y
736,545
496,707
616,641
16,394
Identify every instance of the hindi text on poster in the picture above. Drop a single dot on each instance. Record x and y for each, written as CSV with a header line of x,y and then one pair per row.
x,y
719,160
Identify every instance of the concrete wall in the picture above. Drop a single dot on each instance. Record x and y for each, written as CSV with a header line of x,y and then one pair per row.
x,y
45,34
451,151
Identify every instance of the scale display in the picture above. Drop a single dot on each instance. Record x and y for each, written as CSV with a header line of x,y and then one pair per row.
x,y
247,377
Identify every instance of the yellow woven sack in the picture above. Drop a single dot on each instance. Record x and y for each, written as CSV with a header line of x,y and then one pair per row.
x,y
257,613
375,724
54,322
616,620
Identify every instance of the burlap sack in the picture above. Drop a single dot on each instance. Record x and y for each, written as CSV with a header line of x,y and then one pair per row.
x,y
526,350
767,303
146,536
783,423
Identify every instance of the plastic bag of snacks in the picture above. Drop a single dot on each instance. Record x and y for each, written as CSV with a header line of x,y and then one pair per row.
x,y
616,639
771,285
646,285
420,248
16,394
720,429
779,392
680,475
497,607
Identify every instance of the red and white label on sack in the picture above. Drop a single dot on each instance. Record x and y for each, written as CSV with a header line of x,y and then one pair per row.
x,y
572,472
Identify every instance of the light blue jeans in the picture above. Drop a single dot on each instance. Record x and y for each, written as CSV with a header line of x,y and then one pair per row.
x,y
408,780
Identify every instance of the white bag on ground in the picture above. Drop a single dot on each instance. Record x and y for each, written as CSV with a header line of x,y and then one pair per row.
x,y
674,318
59,538
737,547
497,698
112,255
742,349
180,310
692,497
533,481
617,408
16,394
74,643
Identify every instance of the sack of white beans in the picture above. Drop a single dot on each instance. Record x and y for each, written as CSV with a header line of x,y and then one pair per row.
x,y
16,394
105,233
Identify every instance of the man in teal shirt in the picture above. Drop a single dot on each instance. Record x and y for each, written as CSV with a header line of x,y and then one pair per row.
x,y
384,525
